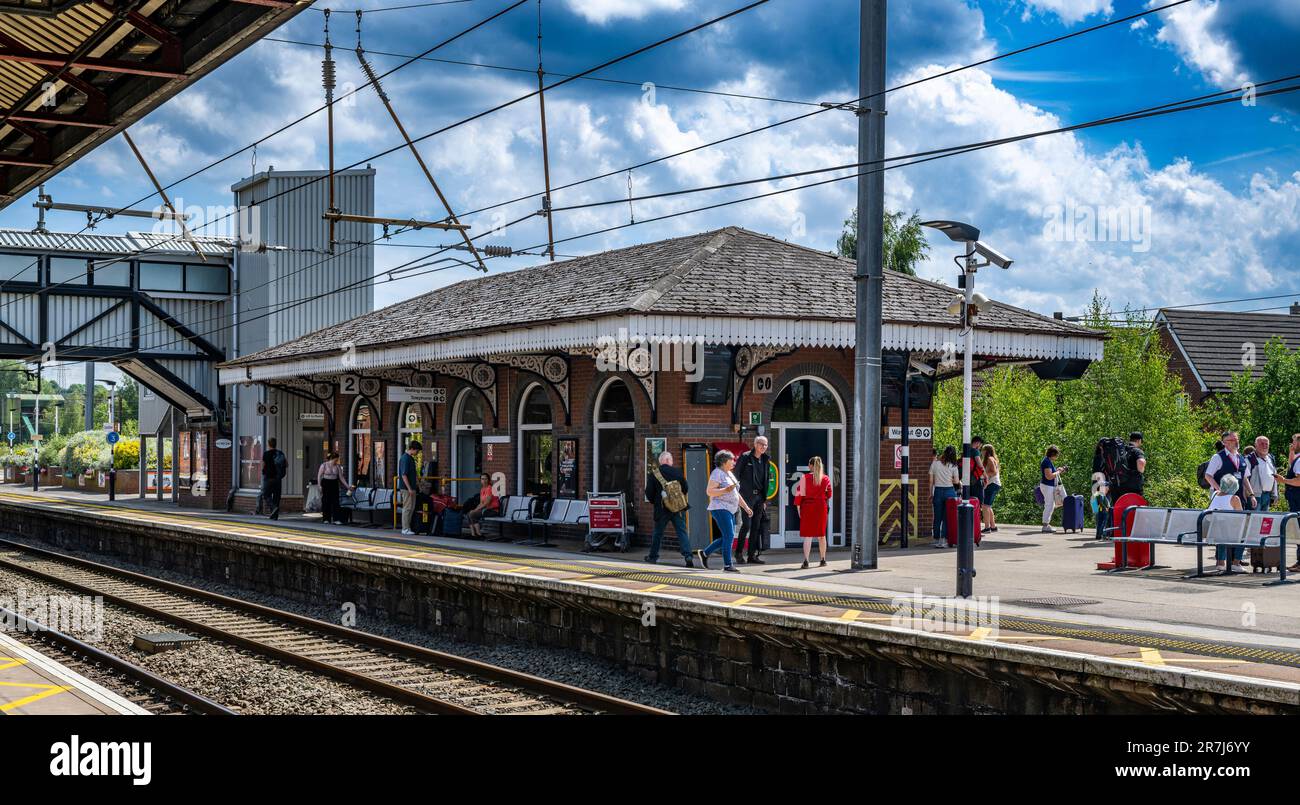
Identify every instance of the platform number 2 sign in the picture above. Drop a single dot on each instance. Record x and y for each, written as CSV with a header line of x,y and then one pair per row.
x,y
350,385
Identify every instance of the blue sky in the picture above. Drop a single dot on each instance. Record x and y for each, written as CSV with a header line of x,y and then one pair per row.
x,y
1214,194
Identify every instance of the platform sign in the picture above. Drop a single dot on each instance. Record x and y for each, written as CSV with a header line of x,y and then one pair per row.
x,y
605,513
923,434
113,437
11,436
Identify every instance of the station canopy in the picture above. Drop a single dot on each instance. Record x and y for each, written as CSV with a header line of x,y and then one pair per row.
x,y
74,73
729,287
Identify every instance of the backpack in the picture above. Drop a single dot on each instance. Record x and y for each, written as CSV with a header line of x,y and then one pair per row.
x,y
673,497
1200,475
1111,458
281,464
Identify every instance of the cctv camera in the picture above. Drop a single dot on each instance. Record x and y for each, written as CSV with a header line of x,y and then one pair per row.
x,y
992,255
919,367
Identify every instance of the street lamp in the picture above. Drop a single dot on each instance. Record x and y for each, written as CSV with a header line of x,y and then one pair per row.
x,y
968,307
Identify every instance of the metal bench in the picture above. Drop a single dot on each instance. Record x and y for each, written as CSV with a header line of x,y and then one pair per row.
x,y
515,510
1198,528
556,516
355,502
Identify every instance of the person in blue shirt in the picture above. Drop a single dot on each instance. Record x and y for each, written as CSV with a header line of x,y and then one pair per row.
x,y
409,483
1048,480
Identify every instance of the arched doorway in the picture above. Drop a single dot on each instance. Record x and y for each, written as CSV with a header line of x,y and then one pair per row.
x,y
411,426
808,420
614,440
536,471
467,443
366,456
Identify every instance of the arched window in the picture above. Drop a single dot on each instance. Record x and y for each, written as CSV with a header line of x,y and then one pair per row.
x,y
615,439
537,443
366,463
807,400
808,420
467,442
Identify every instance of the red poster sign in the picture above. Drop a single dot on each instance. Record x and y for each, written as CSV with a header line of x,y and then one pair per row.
x,y
605,513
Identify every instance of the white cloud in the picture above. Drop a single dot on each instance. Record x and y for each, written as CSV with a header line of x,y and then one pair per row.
x,y
1191,30
1069,11
603,11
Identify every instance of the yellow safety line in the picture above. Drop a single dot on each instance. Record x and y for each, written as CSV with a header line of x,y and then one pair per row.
x,y
850,614
1151,656
655,588
1029,638
14,662
745,599
980,633
51,690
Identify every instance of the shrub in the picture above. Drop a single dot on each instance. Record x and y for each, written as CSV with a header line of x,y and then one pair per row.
x,y
127,455
1177,492
86,451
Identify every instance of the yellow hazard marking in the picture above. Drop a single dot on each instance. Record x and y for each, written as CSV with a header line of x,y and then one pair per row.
x,y
851,614
980,633
14,662
1151,656
1029,638
45,692
655,588
465,562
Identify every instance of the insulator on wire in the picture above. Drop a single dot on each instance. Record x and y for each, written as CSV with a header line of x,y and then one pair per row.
x,y
327,75
498,251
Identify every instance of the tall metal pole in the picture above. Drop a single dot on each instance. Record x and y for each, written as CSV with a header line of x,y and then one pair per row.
x,y
36,441
969,322
90,395
869,281
546,149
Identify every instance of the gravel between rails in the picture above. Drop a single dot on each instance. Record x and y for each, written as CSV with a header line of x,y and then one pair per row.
x,y
560,665
242,681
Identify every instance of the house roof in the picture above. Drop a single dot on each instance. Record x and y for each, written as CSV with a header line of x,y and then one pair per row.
x,y
729,273
1211,340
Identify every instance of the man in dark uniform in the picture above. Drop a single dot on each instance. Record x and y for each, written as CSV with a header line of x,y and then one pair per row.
x,y
654,493
751,471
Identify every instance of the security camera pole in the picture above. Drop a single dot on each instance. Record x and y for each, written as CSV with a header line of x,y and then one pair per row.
x,y
870,289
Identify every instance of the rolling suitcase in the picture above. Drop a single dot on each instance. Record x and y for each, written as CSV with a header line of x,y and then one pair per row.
x,y
951,520
451,522
1072,513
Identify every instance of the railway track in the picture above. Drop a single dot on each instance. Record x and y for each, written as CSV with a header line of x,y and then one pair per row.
x,y
140,686
430,681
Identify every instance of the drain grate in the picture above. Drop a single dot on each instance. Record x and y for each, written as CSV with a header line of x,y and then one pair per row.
x,y
1055,602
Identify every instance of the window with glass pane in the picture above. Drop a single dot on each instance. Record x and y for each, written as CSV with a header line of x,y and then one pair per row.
x,y
537,409
539,449
471,409
68,271
114,274
616,452
616,404
206,279
19,268
806,401
162,277
362,452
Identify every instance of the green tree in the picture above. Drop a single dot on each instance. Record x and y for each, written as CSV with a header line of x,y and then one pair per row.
x,y
1264,401
905,244
1130,389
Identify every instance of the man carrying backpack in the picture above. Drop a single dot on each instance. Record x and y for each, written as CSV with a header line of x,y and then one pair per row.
x,y
666,510
274,467
1135,465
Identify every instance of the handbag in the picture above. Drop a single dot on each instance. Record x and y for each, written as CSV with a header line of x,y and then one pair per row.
x,y
673,498
313,501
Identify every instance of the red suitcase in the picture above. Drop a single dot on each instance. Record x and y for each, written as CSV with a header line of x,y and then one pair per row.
x,y
950,517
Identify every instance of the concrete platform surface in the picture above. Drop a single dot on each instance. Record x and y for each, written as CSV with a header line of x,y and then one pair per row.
x,y
34,684
1031,589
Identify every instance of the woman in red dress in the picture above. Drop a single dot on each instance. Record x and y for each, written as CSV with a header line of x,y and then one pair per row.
x,y
813,497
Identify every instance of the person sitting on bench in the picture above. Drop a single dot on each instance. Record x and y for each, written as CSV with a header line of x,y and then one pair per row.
x,y
489,505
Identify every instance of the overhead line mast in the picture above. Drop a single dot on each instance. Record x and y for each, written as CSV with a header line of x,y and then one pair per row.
x,y
546,154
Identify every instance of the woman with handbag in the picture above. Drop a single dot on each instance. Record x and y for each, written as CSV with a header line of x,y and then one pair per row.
x,y
724,501
1049,485
329,477
813,498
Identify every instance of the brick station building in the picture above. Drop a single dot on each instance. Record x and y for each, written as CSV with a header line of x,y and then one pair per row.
x,y
564,379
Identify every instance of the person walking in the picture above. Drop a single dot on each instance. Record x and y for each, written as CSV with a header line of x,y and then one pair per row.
x,y
992,485
752,470
1049,480
408,481
945,478
1229,461
813,498
329,477
1289,483
1262,475
1226,499
274,467
655,494
724,501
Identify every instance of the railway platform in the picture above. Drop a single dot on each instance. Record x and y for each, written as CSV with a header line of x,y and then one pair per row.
x,y
1038,596
33,684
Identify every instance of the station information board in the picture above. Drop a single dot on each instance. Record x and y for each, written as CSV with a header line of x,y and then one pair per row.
x,y
605,513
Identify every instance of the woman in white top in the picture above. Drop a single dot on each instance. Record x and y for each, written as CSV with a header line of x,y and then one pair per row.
x,y
724,501
1226,498
945,476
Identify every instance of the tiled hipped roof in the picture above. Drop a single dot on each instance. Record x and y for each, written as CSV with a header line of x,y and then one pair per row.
x,y
1212,341
729,272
